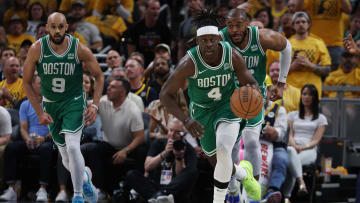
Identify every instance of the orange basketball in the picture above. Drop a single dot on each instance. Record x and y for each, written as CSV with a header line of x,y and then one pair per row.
x,y
246,102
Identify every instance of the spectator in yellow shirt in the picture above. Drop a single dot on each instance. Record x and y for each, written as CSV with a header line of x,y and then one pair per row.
x,y
19,8
291,95
347,75
327,23
311,59
15,32
50,6
12,84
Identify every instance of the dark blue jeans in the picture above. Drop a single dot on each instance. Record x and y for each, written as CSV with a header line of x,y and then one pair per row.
x,y
279,166
16,151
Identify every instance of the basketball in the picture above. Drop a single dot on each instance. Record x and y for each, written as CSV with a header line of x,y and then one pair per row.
x,y
246,102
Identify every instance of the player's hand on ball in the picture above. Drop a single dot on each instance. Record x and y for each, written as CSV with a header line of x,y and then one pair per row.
x,y
90,115
45,119
195,128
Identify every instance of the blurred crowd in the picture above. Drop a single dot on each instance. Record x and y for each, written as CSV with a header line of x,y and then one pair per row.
x,y
142,41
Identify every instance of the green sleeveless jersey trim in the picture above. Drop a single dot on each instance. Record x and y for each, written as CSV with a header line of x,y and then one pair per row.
x,y
61,74
211,86
253,54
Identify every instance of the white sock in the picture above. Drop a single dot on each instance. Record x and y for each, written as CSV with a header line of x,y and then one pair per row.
x,y
240,172
219,195
76,161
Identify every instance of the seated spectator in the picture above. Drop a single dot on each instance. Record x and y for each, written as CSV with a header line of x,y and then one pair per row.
x,y
35,140
139,56
37,15
307,127
171,164
73,26
113,60
120,73
86,29
15,29
160,117
123,138
264,16
291,95
5,54
347,75
41,31
134,71
13,83
274,130
161,73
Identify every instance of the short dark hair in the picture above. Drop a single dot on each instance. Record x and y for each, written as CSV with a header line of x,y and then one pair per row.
x,y
43,16
125,83
7,49
42,24
148,2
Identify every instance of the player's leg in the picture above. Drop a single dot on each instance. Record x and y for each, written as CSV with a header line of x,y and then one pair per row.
x,y
252,147
226,134
233,195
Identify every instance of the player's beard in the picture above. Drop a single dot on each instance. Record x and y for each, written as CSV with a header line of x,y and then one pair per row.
x,y
59,41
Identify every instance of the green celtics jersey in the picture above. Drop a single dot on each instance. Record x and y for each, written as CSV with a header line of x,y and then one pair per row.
x,y
211,86
253,55
61,75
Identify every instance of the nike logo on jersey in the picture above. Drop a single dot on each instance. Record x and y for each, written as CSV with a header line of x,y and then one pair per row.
x,y
45,56
76,98
200,72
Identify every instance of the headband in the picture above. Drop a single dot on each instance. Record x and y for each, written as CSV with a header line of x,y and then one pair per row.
x,y
207,30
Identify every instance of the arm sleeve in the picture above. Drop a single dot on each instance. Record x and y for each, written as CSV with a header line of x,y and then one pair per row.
x,y
281,123
285,60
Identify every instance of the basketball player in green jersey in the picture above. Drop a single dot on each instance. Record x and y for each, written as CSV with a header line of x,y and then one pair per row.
x,y
252,43
209,69
58,59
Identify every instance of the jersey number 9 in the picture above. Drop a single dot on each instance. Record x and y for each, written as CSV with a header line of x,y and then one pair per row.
x,y
58,85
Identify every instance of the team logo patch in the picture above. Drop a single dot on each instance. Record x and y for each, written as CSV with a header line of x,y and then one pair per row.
x,y
271,114
71,56
254,48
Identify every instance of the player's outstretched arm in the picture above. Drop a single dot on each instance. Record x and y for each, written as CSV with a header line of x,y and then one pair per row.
x,y
29,69
91,64
242,73
270,39
177,80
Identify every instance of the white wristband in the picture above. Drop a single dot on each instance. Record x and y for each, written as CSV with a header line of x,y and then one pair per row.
x,y
96,107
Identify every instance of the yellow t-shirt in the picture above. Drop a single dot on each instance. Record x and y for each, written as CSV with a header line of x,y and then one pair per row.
x,y
15,42
315,50
326,20
291,99
16,90
338,77
49,5
111,25
65,5
108,7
